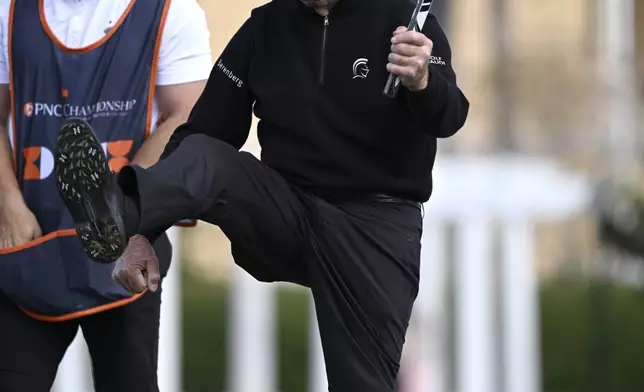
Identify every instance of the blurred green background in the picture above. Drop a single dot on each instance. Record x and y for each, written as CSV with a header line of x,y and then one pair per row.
x,y
205,327
592,337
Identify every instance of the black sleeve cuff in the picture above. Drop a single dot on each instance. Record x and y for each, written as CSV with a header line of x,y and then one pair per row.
x,y
421,101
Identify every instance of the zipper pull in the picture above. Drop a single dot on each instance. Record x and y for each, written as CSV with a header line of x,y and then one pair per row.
x,y
323,51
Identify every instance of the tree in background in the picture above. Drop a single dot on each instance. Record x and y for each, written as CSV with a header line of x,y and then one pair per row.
x,y
620,209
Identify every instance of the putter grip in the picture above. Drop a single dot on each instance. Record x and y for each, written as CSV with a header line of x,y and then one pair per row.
x,y
391,88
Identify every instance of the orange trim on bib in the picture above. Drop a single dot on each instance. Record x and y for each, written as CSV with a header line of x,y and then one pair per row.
x,y
11,89
154,68
38,241
55,40
74,315
153,85
84,313
190,224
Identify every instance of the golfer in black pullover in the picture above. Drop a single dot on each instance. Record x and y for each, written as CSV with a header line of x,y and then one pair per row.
x,y
334,204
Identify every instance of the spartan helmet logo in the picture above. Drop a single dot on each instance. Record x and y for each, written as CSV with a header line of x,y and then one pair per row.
x,y
360,69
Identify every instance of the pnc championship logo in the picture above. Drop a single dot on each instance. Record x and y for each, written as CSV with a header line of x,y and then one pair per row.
x,y
104,108
39,161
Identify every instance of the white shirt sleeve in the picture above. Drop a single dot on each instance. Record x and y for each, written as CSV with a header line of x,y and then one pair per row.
x,y
4,41
184,55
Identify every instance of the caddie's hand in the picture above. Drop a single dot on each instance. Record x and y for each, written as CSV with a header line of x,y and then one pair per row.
x,y
409,58
18,224
138,267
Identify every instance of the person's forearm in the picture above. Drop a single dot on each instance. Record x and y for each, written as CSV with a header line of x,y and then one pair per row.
x,y
9,187
151,150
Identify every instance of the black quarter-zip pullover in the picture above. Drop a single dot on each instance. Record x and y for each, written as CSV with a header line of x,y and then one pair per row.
x,y
316,85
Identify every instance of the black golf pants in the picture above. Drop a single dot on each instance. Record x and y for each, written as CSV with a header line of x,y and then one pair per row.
x,y
360,259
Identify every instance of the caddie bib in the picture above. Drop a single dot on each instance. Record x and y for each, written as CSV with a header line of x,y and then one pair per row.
x,y
110,84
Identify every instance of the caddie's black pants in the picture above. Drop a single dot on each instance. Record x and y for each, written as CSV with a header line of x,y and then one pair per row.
x,y
123,344
360,259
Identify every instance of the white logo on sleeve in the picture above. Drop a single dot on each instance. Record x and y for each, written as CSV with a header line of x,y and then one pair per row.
x,y
360,69
230,74
437,60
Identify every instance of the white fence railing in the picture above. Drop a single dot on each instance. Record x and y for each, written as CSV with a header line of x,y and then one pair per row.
x,y
472,196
